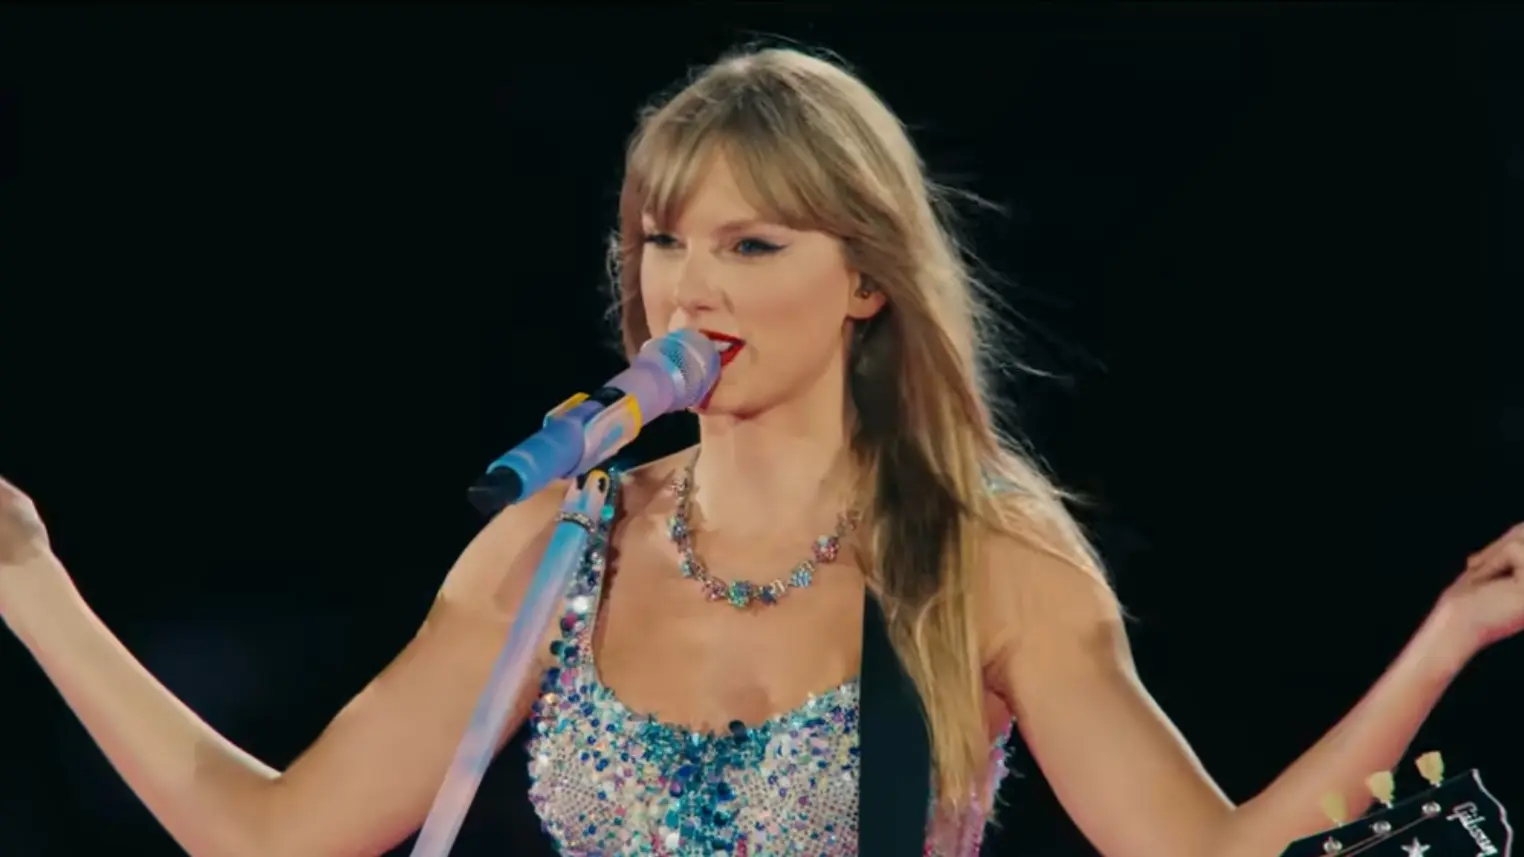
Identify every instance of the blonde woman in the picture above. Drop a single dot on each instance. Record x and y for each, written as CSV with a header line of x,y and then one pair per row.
x,y
700,695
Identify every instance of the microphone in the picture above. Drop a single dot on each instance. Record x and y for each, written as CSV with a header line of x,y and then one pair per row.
x,y
670,373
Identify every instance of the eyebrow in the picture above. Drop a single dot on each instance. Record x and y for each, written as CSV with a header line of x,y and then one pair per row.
x,y
746,223
731,226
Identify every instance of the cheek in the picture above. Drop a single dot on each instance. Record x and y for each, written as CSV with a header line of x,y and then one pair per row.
x,y
791,318
798,296
784,309
657,294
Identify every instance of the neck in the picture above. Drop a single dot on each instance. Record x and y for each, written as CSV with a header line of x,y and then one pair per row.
x,y
781,465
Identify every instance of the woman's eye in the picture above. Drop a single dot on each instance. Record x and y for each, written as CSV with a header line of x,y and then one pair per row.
x,y
745,247
756,247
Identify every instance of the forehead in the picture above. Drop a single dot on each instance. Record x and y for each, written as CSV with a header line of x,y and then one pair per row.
x,y
714,196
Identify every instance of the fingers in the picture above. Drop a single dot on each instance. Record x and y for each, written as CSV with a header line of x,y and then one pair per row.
x,y
12,497
1485,556
1499,560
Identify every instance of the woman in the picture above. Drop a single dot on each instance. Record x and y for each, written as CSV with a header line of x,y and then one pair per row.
x,y
776,203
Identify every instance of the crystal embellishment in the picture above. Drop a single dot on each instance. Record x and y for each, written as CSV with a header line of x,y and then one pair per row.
x,y
742,594
607,780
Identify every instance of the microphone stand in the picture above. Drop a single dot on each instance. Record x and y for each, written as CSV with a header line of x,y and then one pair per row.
x,y
579,516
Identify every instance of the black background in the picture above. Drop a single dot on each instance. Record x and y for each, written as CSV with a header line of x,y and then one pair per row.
x,y
278,283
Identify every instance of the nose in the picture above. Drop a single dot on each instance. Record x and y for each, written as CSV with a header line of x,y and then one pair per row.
x,y
695,292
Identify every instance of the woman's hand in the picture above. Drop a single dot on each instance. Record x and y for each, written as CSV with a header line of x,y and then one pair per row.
x,y
23,538
1486,603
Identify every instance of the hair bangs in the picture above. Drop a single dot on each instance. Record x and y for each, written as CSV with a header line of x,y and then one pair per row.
x,y
771,162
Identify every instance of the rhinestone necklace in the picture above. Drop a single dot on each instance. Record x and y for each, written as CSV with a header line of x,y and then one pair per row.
x,y
744,593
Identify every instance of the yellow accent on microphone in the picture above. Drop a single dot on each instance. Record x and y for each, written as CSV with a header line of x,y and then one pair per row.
x,y
575,400
634,407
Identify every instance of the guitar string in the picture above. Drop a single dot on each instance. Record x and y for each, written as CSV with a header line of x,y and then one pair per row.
x,y
1367,844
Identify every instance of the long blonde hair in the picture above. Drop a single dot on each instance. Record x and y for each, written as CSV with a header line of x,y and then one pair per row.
x,y
815,148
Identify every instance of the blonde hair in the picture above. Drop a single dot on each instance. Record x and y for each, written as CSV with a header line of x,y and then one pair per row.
x,y
815,148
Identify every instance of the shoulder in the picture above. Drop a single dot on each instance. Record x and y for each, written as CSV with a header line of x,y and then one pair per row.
x,y
492,571
492,574
519,526
1041,594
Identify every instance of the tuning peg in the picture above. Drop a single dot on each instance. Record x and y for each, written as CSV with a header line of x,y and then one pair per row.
x,y
1335,808
1432,766
1382,786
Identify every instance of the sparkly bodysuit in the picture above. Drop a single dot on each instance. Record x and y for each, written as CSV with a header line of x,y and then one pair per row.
x,y
608,781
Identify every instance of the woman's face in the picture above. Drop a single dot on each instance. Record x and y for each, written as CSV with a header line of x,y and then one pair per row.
x,y
776,299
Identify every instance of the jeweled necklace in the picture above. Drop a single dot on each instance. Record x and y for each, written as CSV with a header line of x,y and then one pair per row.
x,y
743,593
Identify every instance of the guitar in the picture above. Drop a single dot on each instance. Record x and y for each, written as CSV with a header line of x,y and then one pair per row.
x,y
1454,817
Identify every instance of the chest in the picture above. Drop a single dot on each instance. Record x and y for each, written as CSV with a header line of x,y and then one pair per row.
x,y
700,757
775,780
664,647
606,780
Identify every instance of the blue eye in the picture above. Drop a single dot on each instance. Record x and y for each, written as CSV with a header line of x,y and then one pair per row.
x,y
756,247
745,247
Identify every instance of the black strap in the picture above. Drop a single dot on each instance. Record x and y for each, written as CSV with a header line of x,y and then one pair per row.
x,y
894,790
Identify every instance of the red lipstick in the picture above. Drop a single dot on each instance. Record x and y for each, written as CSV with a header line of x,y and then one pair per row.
x,y
729,346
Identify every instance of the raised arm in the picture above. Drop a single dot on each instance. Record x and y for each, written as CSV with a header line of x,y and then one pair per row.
x,y
1059,656
367,781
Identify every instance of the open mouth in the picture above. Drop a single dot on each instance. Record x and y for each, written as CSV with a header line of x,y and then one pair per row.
x,y
728,346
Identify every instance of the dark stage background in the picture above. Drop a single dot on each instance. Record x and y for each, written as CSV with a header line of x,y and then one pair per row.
x,y
278,284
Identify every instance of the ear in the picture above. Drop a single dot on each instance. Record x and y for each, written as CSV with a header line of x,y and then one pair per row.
x,y
865,300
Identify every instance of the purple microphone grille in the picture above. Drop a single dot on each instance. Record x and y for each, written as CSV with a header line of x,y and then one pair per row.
x,y
693,363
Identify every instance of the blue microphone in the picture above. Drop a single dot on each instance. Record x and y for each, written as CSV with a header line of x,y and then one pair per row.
x,y
670,373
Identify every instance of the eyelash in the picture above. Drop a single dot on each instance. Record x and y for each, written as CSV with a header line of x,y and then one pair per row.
x,y
663,241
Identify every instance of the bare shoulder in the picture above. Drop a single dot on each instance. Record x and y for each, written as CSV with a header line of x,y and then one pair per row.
x,y
492,573
1043,599
1060,661
369,778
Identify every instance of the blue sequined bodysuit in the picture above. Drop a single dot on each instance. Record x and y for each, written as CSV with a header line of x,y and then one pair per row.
x,y
608,781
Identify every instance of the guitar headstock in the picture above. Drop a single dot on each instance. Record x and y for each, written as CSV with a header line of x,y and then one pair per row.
x,y
1455,817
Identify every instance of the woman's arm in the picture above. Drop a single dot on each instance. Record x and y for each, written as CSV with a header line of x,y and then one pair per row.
x,y
1120,768
366,782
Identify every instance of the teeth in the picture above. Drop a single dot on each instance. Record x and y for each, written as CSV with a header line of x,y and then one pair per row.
x,y
723,345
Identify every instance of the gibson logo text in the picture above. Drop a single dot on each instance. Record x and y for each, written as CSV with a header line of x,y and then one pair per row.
x,y
1470,819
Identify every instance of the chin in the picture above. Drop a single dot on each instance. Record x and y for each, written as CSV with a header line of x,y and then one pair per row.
x,y
726,400
718,404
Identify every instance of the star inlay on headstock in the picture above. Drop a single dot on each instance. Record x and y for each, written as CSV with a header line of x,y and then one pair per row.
x,y
1454,817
